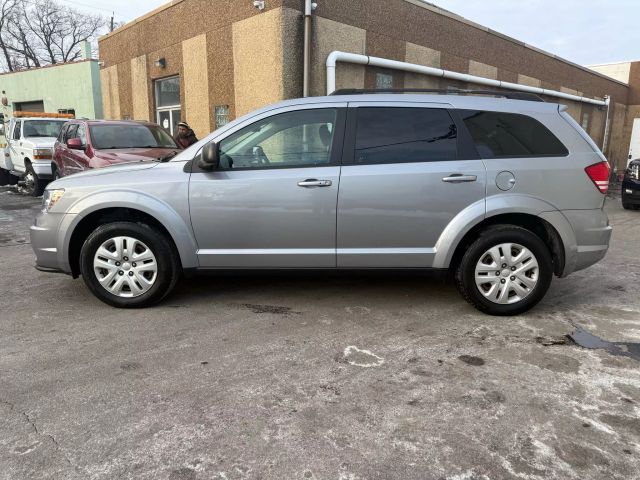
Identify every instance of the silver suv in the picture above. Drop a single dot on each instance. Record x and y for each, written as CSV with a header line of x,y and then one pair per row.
x,y
503,193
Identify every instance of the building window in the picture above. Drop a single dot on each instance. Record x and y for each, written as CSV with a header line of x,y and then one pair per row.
x,y
585,121
67,111
221,115
168,103
384,80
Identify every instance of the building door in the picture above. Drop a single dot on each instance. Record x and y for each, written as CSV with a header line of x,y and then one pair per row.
x,y
634,146
168,103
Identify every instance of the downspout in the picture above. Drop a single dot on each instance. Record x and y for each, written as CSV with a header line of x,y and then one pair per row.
x,y
308,7
337,56
605,139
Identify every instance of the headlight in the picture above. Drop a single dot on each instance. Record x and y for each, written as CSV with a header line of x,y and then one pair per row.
x,y
50,198
42,153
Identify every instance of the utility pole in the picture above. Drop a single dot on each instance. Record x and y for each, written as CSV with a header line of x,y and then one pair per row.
x,y
112,14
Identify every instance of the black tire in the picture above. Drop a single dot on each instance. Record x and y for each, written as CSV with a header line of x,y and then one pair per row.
x,y
33,185
56,174
626,206
465,271
168,270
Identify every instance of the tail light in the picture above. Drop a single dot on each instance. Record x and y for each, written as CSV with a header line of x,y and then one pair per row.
x,y
599,175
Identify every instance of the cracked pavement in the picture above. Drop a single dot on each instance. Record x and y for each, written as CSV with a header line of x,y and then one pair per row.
x,y
315,376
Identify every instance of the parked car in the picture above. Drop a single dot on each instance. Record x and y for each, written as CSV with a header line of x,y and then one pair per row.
x,y
631,186
503,193
87,144
29,150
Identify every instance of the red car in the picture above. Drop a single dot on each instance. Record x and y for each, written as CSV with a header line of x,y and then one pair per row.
x,y
85,144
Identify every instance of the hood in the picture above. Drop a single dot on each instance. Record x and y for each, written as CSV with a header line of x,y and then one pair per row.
x,y
80,178
41,142
126,155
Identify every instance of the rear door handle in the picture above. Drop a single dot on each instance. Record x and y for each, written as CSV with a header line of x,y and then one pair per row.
x,y
459,178
312,182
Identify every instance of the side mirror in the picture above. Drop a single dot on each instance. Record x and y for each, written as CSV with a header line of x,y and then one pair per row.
x,y
75,144
209,158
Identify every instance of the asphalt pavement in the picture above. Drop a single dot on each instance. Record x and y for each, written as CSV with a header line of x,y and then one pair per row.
x,y
316,376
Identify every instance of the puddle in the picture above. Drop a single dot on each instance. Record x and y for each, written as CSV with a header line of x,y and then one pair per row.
x,y
588,340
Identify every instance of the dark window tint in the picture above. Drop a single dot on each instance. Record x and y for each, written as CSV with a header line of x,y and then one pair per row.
x,y
499,134
401,135
130,136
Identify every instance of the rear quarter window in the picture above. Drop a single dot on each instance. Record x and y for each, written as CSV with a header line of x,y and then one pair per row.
x,y
505,135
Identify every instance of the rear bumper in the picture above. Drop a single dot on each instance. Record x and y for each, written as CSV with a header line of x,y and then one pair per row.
x,y
592,234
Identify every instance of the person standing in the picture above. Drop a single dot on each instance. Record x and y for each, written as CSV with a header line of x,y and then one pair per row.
x,y
185,136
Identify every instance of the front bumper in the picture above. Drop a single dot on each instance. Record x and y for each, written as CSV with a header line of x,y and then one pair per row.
x,y
42,168
46,242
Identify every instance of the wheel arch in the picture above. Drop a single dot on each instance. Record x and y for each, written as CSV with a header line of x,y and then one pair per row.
x,y
168,221
533,223
536,215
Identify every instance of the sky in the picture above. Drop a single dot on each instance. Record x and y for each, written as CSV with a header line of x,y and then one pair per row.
x,y
584,31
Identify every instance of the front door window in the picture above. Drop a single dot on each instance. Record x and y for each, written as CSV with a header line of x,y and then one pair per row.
x,y
168,103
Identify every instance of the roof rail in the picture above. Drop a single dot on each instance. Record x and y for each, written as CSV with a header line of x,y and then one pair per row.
x,y
531,97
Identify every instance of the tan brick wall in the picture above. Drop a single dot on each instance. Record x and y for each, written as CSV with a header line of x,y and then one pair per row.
x,y
482,69
258,60
421,56
618,142
195,83
529,81
328,36
140,88
574,108
110,92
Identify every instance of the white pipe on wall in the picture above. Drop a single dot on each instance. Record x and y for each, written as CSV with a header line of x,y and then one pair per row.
x,y
337,56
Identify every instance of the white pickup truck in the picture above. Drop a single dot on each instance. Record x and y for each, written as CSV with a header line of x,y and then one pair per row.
x,y
29,151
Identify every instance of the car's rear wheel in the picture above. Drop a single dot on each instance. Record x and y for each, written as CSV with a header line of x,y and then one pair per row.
x,y
506,271
128,264
56,174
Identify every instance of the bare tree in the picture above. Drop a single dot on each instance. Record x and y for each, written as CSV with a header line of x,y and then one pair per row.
x,y
34,33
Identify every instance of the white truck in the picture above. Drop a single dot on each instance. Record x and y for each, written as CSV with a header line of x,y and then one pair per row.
x,y
29,150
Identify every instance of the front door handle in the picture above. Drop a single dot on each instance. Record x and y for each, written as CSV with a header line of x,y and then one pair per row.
x,y
459,178
312,182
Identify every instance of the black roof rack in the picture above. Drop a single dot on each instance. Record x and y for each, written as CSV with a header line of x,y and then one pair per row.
x,y
531,97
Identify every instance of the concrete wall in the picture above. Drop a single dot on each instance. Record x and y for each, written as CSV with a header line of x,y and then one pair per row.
x,y
64,86
618,71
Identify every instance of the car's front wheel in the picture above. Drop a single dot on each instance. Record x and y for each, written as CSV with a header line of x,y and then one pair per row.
x,y
33,184
128,264
506,271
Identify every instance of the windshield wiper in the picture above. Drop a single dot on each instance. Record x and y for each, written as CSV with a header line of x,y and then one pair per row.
x,y
167,157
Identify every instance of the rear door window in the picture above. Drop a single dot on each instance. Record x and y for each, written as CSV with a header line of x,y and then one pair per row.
x,y
404,135
505,135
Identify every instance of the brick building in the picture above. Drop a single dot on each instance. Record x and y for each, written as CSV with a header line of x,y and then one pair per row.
x,y
207,62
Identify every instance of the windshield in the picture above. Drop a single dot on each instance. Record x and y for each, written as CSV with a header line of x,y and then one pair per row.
x,y
130,136
42,128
